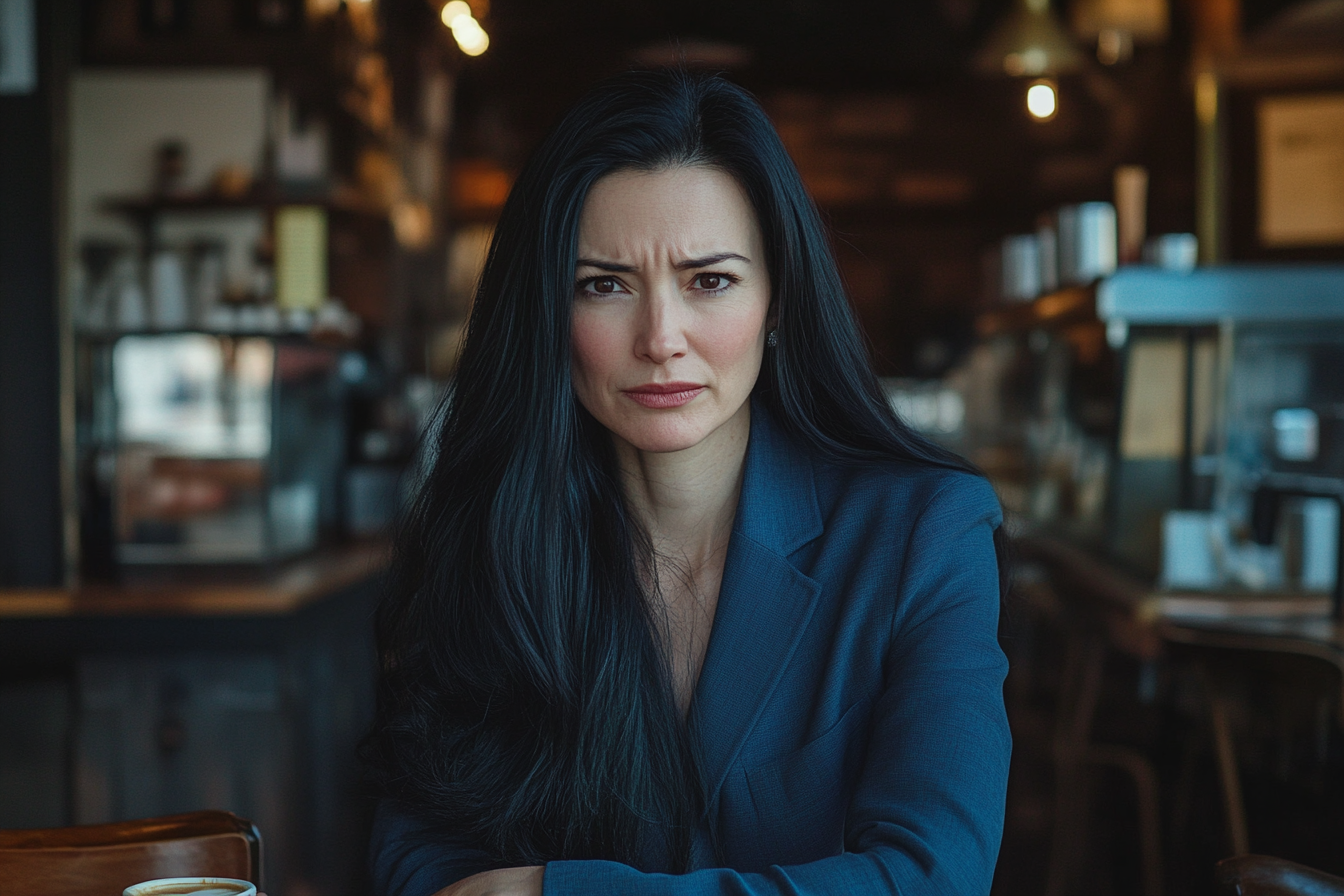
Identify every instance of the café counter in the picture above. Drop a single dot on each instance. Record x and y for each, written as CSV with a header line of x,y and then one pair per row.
x,y
283,591
172,691
1285,645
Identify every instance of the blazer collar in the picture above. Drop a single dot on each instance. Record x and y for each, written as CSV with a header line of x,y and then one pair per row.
x,y
765,603
777,508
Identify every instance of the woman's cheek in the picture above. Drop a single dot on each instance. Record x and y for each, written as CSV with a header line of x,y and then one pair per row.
x,y
737,341
594,344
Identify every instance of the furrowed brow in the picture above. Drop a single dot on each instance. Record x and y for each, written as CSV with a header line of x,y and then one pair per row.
x,y
709,260
610,266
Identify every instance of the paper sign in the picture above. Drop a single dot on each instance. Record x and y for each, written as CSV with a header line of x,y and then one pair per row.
x,y
1152,423
1302,170
300,257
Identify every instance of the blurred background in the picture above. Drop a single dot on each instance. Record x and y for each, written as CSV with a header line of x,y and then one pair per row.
x,y
1095,245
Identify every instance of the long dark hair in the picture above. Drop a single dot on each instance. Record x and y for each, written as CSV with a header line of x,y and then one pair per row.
x,y
524,700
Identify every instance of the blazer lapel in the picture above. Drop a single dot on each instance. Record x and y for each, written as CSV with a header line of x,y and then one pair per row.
x,y
764,603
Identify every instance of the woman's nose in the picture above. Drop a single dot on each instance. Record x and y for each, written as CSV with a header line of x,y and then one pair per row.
x,y
662,335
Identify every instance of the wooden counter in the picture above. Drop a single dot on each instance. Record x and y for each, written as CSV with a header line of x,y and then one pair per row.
x,y
1141,617
177,690
280,591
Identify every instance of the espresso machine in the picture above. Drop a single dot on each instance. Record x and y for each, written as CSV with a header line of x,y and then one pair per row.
x,y
1233,415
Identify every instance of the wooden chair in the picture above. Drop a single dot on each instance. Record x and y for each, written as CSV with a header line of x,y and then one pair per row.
x,y
1076,754
104,859
1253,875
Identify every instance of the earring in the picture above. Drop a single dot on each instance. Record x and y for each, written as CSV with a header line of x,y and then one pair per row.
x,y
772,338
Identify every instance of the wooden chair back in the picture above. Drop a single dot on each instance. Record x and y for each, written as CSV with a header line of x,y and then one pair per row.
x,y
104,859
1253,875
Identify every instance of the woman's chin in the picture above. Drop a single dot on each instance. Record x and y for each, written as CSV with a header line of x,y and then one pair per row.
x,y
664,444
663,437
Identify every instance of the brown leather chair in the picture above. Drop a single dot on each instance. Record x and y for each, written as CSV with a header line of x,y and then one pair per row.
x,y
104,859
1253,875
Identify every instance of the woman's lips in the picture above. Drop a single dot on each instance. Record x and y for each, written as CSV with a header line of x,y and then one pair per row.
x,y
664,395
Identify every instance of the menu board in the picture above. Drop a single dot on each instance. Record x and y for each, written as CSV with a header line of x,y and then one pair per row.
x,y
1301,148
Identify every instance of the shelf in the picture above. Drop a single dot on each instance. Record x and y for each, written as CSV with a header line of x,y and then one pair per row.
x,y
1236,292
110,336
144,208
1071,305
320,337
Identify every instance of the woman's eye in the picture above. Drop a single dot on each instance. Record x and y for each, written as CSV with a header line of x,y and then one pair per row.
x,y
712,282
600,286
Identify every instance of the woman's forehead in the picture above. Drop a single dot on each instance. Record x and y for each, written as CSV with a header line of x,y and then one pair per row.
x,y
687,208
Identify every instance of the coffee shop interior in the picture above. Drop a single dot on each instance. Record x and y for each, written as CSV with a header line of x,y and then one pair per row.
x,y
1096,247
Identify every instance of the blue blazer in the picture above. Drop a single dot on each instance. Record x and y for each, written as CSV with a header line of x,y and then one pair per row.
x,y
850,707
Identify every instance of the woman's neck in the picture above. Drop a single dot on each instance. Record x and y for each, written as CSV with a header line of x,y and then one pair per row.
x,y
686,500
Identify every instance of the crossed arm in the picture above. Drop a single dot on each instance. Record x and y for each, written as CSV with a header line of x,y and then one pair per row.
x,y
927,812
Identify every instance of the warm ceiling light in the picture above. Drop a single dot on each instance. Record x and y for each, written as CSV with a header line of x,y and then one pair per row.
x,y
1042,100
470,36
1029,42
452,10
1141,21
474,45
466,28
1114,46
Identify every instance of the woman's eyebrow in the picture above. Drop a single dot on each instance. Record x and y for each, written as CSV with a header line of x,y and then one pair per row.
x,y
708,260
611,266
684,265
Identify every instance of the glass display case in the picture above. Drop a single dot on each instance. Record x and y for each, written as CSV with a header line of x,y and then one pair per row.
x,y
204,448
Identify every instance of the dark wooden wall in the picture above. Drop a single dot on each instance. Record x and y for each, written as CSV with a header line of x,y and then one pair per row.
x,y
30,165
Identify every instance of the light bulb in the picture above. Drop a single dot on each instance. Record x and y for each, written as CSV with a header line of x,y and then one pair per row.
x,y
477,46
470,36
453,10
466,28
1042,102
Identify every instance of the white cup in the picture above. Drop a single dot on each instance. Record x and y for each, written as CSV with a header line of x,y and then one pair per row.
x,y
1320,543
168,290
1172,251
1189,559
192,886
1021,267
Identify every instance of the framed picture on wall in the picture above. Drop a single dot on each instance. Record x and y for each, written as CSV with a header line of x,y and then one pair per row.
x,y
1284,161
1300,144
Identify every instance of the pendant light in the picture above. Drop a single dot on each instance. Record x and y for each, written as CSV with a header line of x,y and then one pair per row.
x,y
1029,43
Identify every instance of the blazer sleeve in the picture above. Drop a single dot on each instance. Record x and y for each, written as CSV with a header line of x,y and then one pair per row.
x,y
927,815
406,860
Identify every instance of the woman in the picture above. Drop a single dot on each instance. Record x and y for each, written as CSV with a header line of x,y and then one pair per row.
x,y
683,608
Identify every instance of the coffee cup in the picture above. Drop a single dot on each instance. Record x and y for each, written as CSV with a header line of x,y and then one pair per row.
x,y
192,886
